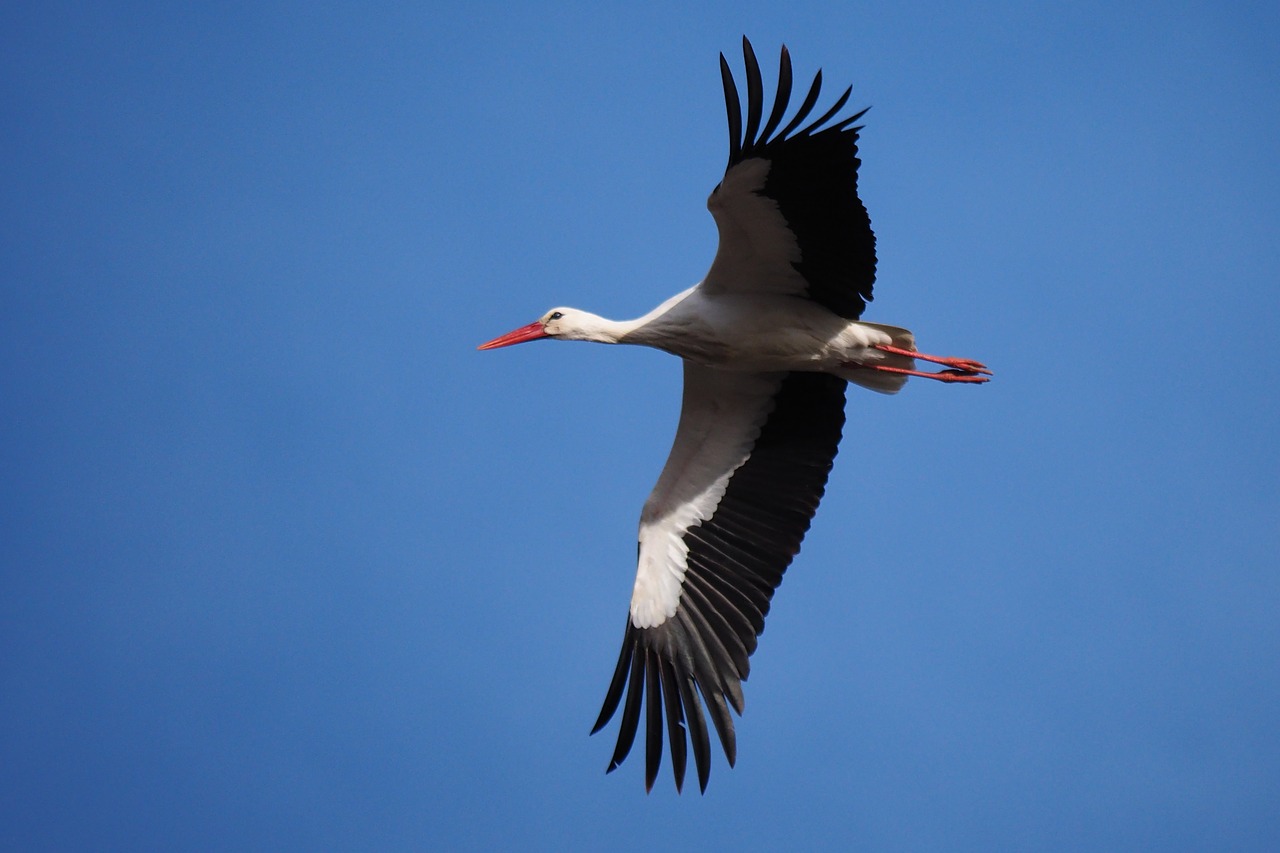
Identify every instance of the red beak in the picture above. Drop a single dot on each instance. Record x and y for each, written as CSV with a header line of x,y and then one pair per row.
x,y
531,332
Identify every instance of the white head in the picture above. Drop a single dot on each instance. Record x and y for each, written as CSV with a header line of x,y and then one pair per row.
x,y
566,324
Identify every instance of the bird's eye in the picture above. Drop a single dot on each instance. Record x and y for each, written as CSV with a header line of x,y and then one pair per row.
x,y
555,315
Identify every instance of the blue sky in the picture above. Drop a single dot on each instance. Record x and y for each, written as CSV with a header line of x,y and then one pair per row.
x,y
286,564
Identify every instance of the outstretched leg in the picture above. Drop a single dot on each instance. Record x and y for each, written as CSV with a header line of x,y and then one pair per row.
x,y
941,375
959,369
963,365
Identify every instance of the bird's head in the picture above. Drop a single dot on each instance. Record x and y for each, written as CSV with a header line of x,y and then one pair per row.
x,y
568,324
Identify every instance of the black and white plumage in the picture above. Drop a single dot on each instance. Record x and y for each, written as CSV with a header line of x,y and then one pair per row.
x,y
769,338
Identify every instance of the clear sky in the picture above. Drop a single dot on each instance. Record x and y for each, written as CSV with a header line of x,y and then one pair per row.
x,y
285,564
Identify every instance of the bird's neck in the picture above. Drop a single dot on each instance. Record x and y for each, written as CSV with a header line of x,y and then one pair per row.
x,y
593,327
652,329
646,331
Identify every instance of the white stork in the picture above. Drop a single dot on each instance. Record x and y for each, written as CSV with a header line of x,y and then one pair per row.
x,y
769,339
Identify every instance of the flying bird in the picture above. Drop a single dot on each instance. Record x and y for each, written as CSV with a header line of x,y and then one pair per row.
x,y
769,339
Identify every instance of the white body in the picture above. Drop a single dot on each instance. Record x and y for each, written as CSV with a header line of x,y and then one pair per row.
x,y
768,332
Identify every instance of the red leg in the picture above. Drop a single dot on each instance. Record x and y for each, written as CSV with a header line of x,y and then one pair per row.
x,y
941,376
964,365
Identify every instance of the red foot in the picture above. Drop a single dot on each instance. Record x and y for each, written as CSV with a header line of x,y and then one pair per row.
x,y
964,365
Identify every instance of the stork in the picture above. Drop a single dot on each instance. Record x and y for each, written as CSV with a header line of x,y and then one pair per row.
x,y
769,340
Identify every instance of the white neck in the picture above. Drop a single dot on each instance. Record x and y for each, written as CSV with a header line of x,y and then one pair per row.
x,y
646,330
592,327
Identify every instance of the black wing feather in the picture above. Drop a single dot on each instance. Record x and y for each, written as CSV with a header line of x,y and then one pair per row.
x,y
699,738
826,117
618,682
630,710
675,718
755,90
734,110
653,718
806,106
783,96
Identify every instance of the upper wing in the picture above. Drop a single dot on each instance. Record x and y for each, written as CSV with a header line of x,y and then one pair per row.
x,y
788,212
747,469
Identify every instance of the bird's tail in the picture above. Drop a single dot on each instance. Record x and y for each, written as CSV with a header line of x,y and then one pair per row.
x,y
880,380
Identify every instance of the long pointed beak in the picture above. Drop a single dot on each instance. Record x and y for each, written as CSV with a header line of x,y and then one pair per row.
x,y
531,332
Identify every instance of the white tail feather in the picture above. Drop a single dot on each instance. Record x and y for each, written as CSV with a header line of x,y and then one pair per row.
x,y
878,380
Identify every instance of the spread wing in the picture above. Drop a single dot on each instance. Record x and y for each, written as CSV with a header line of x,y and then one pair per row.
x,y
746,471
787,210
